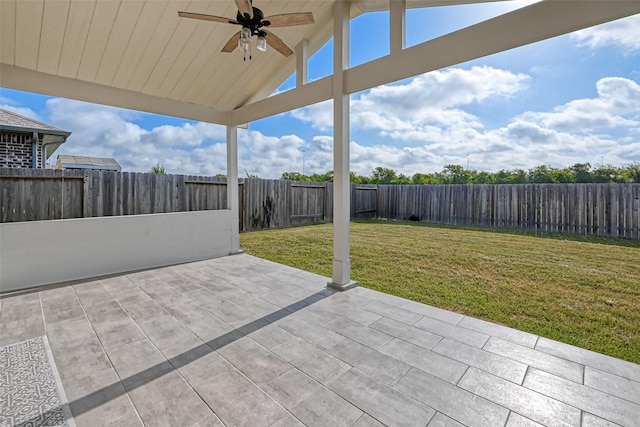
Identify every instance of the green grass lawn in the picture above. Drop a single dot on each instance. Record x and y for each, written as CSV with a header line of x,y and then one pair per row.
x,y
580,291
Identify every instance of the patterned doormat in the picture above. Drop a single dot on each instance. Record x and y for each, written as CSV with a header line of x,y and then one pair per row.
x,y
31,393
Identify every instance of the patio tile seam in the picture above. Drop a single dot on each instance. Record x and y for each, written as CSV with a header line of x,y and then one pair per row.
x,y
398,338
176,368
623,393
585,407
511,406
129,315
106,354
235,367
484,332
321,385
228,300
264,392
511,412
585,364
437,406
190,301
519,359
332,387
589,358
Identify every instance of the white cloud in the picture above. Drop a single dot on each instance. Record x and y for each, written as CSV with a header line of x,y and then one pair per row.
x,y
9,105
570,133
268,156
320,115
617,105
102,131
432,99
624,33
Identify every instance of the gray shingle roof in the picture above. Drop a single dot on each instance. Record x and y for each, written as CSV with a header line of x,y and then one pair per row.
x,y
83,162
11,121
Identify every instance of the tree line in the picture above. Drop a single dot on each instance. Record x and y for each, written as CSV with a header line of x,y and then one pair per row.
x,y
456,174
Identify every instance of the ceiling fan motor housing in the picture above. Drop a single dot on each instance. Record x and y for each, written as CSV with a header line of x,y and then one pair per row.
x,y
254,24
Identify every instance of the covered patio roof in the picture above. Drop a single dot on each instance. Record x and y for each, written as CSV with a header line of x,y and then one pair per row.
x,y
139,54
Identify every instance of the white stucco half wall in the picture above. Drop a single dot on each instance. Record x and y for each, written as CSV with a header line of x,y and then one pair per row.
x,y
44,252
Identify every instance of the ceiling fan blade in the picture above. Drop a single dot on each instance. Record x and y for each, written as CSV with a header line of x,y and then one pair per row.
x,y
232,44
245,7
204,17
277,43
289,19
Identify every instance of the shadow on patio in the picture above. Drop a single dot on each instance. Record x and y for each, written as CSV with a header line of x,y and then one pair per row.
x,y
243,341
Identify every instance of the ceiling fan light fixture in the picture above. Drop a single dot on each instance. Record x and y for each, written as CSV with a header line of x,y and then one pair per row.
x,y
245,35
242,46
262,43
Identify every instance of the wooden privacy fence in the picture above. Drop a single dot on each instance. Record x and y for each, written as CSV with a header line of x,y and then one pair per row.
x,y
270,203
37,194
611,210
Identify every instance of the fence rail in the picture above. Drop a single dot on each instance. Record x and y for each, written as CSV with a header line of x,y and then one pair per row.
x,y
610,210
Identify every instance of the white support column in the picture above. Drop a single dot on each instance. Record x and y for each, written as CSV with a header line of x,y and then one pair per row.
x,y
397,25
301,62
232,187
341,278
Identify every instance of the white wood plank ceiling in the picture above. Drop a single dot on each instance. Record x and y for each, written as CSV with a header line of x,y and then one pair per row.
x,y
139,54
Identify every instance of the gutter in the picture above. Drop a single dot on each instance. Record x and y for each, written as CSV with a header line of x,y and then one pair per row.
x,y
47,140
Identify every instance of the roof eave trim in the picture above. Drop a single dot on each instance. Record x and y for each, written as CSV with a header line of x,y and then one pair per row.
x,y
22,129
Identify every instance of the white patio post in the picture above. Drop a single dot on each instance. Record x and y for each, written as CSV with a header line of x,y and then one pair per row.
x,y
302,53
397,24
232,187
341,278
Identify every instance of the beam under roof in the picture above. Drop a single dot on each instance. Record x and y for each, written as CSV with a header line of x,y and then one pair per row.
x,y
49,84
537,22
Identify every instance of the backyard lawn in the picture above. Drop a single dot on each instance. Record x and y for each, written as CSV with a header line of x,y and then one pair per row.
x,y
581,291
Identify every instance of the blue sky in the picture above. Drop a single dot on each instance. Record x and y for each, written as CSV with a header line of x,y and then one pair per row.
x,y
567,100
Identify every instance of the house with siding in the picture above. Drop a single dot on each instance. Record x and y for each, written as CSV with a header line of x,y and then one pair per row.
x,y
27,143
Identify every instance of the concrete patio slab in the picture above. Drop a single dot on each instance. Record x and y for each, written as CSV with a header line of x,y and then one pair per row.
x,y
240,341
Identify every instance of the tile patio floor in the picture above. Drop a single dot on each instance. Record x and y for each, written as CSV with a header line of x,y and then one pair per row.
x,y
239,341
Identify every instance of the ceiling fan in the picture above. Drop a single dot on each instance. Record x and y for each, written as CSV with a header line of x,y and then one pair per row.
x,y
254,23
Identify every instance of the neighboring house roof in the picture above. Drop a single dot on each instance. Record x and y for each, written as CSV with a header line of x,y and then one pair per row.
x,y
15,122
52,137
83,162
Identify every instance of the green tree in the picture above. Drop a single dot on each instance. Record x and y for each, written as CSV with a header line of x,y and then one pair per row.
x,y
483,178
582,172
608,174
382,175
294,176
249,175
540,174
562,176
354,178
325,177
632,173
455,174
158,169
424,178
